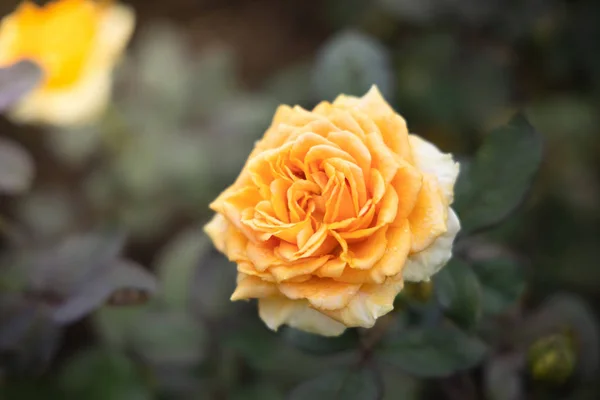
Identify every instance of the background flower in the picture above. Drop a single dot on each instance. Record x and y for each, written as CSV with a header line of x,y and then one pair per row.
x,y
76,43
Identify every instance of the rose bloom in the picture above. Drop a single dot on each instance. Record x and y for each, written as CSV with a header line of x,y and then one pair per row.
x,y
76,43
333,210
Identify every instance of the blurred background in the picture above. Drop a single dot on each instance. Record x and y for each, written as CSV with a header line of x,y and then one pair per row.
x,y
199,84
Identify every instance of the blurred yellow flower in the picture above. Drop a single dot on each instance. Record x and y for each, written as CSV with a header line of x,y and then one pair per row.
x,y
76,43
333,210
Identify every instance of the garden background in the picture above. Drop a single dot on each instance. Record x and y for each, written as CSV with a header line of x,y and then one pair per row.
x,y
198,86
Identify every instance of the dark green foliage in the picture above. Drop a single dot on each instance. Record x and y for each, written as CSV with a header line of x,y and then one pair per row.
x,y
433,351
503,282
321,345
499,176
359,383
459,293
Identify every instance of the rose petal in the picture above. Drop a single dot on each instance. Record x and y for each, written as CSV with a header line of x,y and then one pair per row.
x,y
302,267
322,293
342,119
393,260
383,158
370,303
249,269
407,184
262,256
216,230
252,287
332,268
365,254
355,147
421,266
429,159
276,311
428,218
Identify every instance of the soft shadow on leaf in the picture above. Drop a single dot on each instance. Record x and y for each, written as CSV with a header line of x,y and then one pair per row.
x,y
63,268
173,338
176,265
433,352
213,282
74,145
500,175
28,337
16,168
100,374
399,385
458,291
17,316
169,338
502,281
17,80
342,384
258,391
24,389
261,349
48,213
317,344
123,274
115,326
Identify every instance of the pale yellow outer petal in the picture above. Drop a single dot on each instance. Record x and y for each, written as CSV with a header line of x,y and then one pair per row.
x,y
216,229
87,98
370,303
278,310
430,160
421,266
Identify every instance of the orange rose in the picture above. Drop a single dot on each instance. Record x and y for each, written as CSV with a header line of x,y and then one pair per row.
x,y
76,43
334,208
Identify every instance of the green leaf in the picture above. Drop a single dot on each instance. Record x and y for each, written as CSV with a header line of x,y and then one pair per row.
x,y
260,349
63,268
350,63
317,344
116,325
74,145
258,391
177,264
23,389
50,213
99,374
502,281
16,168
17,316
346,384
434,351
459,293
213,283
499,176
169,338
399,385
122,274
